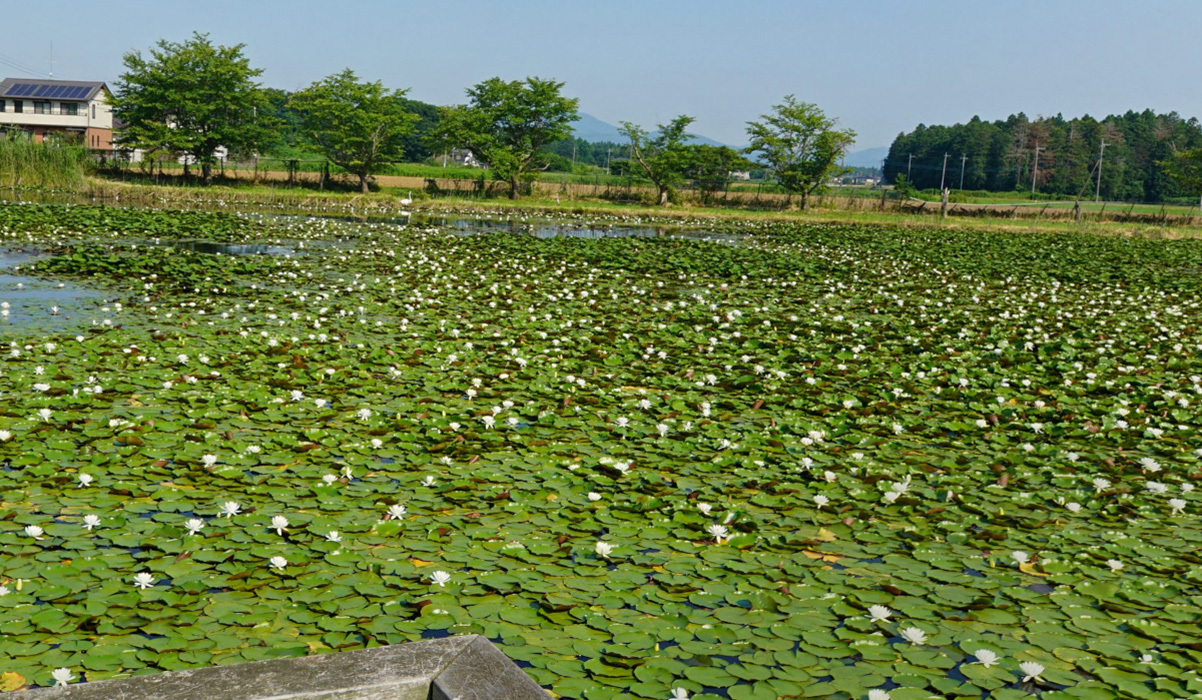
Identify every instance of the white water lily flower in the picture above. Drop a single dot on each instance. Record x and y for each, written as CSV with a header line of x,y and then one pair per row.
x,y
1101,484
230,508
705,508
1032,669
594,496
1073,507
914,636
820,500
329,479
1020,557
718,531
333,536
279,523
143,580
440,578
1114,564
62,676
34,531
5,436
84,480
209,460
878,694
879,613
278,563
679,694
986,658
194,525
428,481
90,521
603,549
1176,506
364,413
396,511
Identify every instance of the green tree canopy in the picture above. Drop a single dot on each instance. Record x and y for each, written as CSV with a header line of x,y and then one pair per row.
x,y
710,167
359,126
190,99
1185,168
663,157
800,144
507,125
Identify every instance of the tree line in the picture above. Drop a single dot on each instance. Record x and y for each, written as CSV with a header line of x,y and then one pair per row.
x,y
1141,156
194,98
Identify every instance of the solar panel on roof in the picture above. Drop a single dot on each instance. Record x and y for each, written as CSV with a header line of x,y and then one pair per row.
x,y
43,90
18,90
79,93
57,91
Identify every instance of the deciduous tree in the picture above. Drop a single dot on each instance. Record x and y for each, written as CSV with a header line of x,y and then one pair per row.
x,y
191,99
800,145
664,156
358,125
507,124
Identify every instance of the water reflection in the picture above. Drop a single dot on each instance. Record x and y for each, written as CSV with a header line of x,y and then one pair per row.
x,y
211,248
549,229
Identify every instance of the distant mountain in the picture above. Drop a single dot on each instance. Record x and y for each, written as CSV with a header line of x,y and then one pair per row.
x,y
594,130
867,158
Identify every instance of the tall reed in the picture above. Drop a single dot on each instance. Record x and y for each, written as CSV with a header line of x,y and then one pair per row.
x,y
24,163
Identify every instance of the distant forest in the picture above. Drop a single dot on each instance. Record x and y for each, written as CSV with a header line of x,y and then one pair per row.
x,y
1001,155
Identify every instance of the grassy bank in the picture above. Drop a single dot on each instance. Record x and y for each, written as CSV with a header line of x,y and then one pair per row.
x,y
388,202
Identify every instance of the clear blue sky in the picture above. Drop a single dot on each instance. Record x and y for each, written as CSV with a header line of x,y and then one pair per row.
x,y
880,66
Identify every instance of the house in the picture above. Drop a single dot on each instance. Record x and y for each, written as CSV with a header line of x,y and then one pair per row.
x,y
463,156
50,108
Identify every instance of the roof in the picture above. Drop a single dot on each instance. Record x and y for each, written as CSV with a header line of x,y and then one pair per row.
x,y
68,90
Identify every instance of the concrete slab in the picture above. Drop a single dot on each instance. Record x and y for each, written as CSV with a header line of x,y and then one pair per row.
x,y
454,668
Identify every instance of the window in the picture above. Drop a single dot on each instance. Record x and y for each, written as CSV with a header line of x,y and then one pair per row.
x,y
93,111
69,109
18,106
3,106
41,107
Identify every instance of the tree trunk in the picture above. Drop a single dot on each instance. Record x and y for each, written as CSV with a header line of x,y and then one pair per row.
x,y
206,171
805,200
662,199
363,183
513,188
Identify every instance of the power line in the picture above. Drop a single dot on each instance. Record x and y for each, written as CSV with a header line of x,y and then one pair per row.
x,y
21,67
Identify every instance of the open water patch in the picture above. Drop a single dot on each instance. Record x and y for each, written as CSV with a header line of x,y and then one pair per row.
x,y
33,303
553,229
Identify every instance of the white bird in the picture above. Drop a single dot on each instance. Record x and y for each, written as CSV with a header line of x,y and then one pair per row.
x,y
408,198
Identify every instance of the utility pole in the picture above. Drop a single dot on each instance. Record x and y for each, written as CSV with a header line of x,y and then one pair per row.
x,y
944,175
963,160
1035,173
1097,195
909,163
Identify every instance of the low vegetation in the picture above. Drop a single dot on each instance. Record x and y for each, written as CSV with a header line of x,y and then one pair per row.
x,y
821,460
